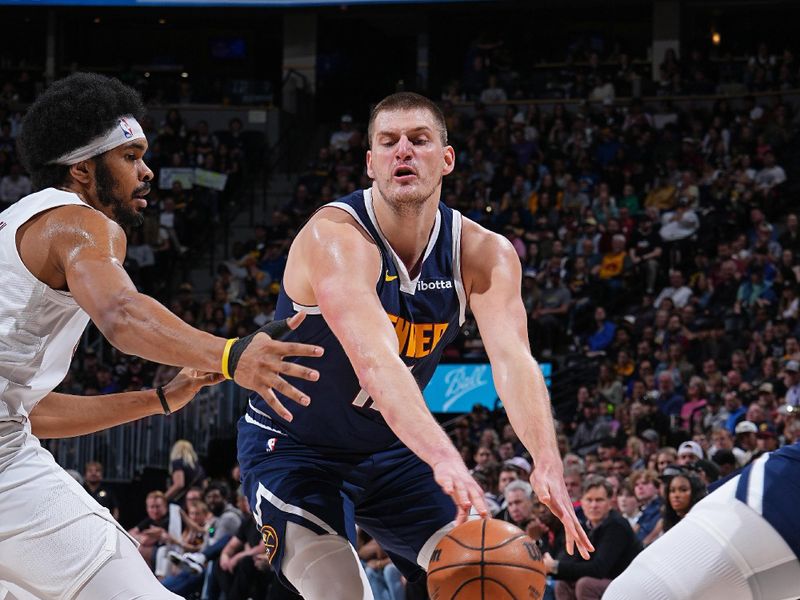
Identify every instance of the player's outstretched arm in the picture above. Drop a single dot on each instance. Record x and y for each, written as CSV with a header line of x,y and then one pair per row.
x,y
493,289
335,251
65,415
90,252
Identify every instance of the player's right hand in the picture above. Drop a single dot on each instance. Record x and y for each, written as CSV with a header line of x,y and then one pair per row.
x,y
455,480
261,368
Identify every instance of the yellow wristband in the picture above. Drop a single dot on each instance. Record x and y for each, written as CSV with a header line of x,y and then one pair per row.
x,y
225,355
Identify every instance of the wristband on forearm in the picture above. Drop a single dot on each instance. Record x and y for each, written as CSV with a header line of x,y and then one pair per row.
x,y
235,347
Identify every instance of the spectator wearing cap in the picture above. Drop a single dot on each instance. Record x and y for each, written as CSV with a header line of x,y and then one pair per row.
x,y
722,439
522,466
725,461
791,379
689,453
650,440
346,137
746,432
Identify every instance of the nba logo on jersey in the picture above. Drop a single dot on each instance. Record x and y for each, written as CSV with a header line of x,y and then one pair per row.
x,y
271,444
127,131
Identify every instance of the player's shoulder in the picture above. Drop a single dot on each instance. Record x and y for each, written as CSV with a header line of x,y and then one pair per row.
x,y
332,223
478,243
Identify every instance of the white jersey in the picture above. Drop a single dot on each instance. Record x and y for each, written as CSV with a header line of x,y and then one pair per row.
x,y
39,326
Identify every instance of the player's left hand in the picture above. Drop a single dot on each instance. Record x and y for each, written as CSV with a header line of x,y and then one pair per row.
x,y
180,391
547,480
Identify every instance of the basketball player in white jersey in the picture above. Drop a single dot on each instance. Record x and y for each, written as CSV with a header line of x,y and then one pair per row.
x,y
741,542
61,255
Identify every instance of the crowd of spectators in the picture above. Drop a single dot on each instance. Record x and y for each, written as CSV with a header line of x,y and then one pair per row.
x,y
659,246
601,72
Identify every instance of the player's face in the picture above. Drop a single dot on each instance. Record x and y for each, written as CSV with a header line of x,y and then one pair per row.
x,y
122,180
407,159
680,494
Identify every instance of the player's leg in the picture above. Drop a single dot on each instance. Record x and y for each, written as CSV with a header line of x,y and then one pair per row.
x,y
53,535
323,567
125,577
722,549
407,512
305,519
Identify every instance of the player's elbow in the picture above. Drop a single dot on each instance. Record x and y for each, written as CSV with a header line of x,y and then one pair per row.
x,y
115,321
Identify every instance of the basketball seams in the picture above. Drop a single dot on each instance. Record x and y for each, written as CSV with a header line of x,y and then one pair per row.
x,y
468,547
487,564
471,570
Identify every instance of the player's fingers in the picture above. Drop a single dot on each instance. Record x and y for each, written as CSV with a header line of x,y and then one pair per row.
x,y
287,389
211,378
478,501
294,321
570,544
460,494
294,370
269,396
295,349
461,516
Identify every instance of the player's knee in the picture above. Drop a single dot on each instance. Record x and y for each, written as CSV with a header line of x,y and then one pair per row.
x,y
326,568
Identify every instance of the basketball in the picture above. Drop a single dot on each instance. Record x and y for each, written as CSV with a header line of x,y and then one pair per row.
x,y
486,560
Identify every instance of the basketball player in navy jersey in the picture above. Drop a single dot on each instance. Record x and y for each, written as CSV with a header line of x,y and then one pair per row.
x,y
384,277
740,542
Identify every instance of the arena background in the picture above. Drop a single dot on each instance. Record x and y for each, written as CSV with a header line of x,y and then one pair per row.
x,y
290,71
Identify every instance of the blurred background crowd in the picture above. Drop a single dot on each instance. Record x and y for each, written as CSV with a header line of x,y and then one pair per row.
x,y
659,242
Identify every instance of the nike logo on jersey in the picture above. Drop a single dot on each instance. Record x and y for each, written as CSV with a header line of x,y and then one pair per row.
x,y
390,277
417,339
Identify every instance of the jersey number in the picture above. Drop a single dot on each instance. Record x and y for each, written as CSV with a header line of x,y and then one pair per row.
x,y
362,399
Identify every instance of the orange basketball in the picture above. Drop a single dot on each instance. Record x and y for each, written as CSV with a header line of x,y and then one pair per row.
x,y
486,560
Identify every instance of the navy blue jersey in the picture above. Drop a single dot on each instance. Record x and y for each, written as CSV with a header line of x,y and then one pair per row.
x,y
426,312
770,485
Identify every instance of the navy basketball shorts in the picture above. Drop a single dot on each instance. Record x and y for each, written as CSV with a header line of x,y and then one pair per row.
x,y
391,494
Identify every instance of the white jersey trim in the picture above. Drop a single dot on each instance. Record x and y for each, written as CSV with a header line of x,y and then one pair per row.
x,y
352,212
755,485
264,493
407,285
462,295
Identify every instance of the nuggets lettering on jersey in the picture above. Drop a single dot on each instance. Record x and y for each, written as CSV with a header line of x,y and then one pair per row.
x,y
417,339
426,312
